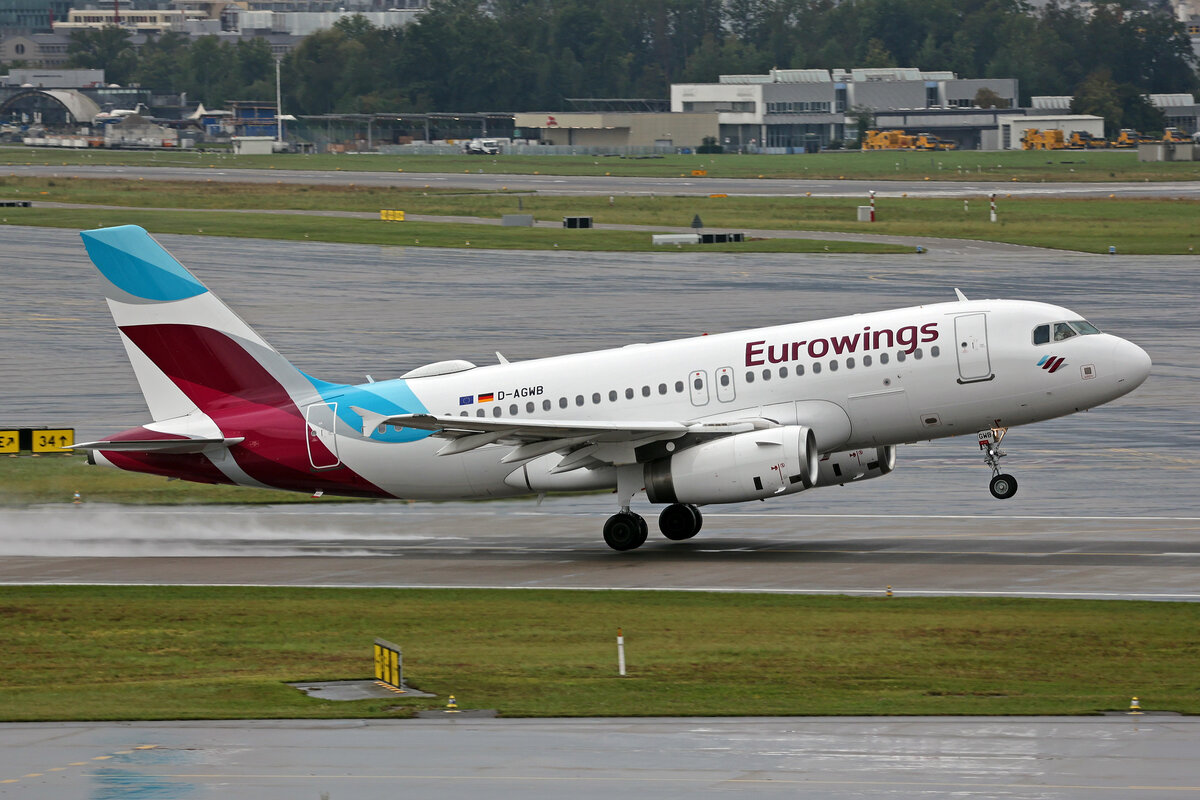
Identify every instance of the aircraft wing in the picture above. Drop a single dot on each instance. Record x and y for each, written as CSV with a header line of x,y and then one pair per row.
x,y
605,441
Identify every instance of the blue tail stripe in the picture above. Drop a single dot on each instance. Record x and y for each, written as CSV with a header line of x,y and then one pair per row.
x,y
138,265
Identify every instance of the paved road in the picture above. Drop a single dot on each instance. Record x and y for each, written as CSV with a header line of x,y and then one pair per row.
x,y
1131,758
583,185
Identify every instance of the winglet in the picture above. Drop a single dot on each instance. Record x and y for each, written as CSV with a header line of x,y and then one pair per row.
x,y
961,297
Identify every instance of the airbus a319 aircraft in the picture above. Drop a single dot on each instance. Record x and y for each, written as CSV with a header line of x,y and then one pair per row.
x,y
726,418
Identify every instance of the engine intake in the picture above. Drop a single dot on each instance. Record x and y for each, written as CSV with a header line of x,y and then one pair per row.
x,y
745,466
837,469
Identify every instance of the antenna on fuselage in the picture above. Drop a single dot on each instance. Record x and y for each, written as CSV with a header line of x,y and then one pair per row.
x,y
961,297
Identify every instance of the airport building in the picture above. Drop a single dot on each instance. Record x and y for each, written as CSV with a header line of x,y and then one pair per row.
x,y
613,130
798,110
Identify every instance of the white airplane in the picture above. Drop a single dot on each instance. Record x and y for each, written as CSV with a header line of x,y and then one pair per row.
x,y
726,418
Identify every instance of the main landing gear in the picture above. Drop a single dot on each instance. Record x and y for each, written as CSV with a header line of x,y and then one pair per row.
x,y
626,530
680,521
1003,485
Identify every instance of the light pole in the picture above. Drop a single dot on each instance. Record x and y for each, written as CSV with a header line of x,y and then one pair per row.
x,y
278,104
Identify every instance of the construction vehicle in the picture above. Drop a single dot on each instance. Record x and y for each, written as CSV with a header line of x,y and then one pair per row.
x,y
1175,135
1082,140
1048,139
887,140
927,141
899,140
1128,137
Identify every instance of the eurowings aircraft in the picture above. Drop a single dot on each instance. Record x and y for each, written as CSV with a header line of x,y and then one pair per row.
x,y
727,418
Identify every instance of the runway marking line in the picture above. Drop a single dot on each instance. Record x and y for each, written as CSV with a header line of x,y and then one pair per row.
x,y
709,780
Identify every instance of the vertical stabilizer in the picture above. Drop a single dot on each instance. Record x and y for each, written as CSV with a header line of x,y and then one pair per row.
x,y
189,351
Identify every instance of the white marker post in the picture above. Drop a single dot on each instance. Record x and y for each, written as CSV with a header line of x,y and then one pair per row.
x,y
620,653
872,205
993,199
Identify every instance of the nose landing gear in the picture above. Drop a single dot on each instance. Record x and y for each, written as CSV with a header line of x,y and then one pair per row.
x,y
1003,485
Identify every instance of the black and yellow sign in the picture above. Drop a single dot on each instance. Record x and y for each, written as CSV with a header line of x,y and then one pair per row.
x,y
53,440
10,441
389,664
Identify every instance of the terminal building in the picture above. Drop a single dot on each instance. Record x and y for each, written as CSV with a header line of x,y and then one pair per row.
x,y
798,110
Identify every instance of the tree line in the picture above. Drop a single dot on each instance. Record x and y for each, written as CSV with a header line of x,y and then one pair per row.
x,y
520,55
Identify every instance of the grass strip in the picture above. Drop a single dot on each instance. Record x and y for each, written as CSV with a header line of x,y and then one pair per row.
x,y
28,480
341,230
1132,225
966,165
83,652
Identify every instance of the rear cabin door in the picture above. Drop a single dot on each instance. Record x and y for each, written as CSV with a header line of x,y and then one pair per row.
x,y
321,422
974,363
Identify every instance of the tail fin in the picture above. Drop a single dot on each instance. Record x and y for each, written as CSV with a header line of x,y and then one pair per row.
x,y
189,351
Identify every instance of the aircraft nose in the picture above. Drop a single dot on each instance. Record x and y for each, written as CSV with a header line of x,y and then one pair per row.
x,y
1131,363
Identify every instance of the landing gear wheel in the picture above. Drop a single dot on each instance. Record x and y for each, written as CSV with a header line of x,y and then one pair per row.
x,y
1003,486
678,521
625,531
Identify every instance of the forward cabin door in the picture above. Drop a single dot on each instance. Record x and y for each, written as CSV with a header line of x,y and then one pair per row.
x,y
970,335
321,423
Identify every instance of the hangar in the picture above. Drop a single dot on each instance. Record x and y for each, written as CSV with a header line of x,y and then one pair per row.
x,y
50,107
609,129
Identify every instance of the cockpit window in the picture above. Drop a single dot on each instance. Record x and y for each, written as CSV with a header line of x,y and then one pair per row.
x,y
1063,330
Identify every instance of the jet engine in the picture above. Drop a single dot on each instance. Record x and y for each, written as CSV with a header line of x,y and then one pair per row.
x,y
744,466
836,469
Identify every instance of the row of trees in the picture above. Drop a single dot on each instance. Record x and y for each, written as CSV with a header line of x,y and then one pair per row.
x,y
515,55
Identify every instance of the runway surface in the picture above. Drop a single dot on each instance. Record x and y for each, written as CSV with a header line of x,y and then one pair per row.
x,y
483,180
1107,505
1130,758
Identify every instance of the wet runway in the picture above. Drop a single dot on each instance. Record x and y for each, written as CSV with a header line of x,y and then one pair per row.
x,y
1130,758
482,180
1107,505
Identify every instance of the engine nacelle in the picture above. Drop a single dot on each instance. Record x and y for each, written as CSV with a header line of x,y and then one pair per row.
x,y
745,466
836,469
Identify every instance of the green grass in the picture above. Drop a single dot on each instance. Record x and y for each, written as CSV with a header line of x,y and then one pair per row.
x,y
55,478
411,234
1132,225
879,165
191,652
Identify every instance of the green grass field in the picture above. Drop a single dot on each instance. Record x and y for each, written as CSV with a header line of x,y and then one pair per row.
x,y
1133,226
55,478
190,652
1118,165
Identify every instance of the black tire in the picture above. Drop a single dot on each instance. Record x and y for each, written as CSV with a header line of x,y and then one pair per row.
x,y
625,531
1003,487
699,518
679,522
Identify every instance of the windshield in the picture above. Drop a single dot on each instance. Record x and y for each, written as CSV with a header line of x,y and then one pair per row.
x,y
1059,331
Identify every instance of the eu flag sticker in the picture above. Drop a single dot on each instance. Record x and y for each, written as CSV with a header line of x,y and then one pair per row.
x,y
466,400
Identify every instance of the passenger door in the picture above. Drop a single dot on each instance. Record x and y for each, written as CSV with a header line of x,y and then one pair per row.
x,y
970,336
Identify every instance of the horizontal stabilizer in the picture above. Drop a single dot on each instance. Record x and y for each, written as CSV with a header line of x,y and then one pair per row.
x,y
160,445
